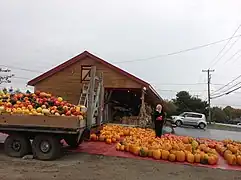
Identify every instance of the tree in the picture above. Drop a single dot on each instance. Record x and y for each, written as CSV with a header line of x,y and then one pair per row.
x,y
169,107
218,115
185,102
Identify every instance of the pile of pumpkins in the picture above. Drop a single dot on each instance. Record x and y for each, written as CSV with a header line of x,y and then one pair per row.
x,y
231,151
142,142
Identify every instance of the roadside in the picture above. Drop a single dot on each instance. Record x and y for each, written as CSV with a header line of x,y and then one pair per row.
x,y
91,167
222,127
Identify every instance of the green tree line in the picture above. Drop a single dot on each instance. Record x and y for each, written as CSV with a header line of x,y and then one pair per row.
x,y
184,102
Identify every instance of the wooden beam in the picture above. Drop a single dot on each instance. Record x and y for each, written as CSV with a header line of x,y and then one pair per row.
x,y
101,101
91,97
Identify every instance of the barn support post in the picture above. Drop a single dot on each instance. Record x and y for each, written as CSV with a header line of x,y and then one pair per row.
x,y
142,115
90,107
101,101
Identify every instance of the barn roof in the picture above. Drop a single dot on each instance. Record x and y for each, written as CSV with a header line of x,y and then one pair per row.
x,y
83,56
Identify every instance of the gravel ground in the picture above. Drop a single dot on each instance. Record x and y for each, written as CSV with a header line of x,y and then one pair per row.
x,y
83,166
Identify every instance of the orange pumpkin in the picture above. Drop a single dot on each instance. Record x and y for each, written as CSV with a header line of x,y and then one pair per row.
x,y
101,138
238,158
212,160
150,153
122,148
136,150
127,148
172,157
113,140
180,156
157,154
117,137
108,141
231,159
165,154
118,146
197,158
226,153
185,140
93,137
190,158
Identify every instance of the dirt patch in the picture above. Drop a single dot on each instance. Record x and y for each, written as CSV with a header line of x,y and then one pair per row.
x,y
83,166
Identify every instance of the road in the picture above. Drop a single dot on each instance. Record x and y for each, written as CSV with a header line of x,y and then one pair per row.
x,y
208,133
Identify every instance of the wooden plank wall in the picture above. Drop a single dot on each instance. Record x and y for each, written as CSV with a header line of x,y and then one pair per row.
x,y
67,83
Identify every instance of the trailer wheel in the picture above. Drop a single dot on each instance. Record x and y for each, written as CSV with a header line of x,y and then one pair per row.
x,y
17,145
85,135
72,141
46,147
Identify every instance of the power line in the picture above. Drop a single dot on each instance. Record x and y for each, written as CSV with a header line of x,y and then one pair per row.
x,y
236,58
227,84
232,56
231,87
224,94
19,68
154,57
216,59
179,52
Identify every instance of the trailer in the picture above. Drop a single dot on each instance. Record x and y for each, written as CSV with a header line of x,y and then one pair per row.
x,y
41,135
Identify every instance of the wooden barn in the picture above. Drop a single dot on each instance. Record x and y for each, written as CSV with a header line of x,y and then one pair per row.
x,y
123,92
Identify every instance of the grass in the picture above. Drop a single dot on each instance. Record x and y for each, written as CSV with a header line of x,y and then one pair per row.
x,y
223,127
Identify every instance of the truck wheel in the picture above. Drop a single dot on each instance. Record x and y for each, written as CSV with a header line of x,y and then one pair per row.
x,y
17,145
178,123
72,141
46,147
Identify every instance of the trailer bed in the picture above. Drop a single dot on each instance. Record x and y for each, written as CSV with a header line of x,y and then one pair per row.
x,y
38,123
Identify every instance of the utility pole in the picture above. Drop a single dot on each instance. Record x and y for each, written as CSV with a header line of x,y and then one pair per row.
x,y
209,99
5,78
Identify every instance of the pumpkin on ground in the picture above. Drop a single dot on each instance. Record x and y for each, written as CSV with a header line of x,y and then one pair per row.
x,y
197,158
165,154
190,158
180,156
172,157
157,154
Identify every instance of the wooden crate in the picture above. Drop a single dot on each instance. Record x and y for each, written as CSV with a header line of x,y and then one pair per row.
x,y
66,122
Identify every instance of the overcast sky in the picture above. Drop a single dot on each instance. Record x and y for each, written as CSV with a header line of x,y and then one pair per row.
x,y
38,35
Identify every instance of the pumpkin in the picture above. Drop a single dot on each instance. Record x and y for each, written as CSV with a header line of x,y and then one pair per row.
x,y
185,140
197,158
238,158
118,146
108,141
190,158
204,159
157,154
122,148
93,137
150,153
143,152
117,137
165,154
172,157
233,149
113,140
180,156
231,159
212,160
226,153
127,148
101,138
136,150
